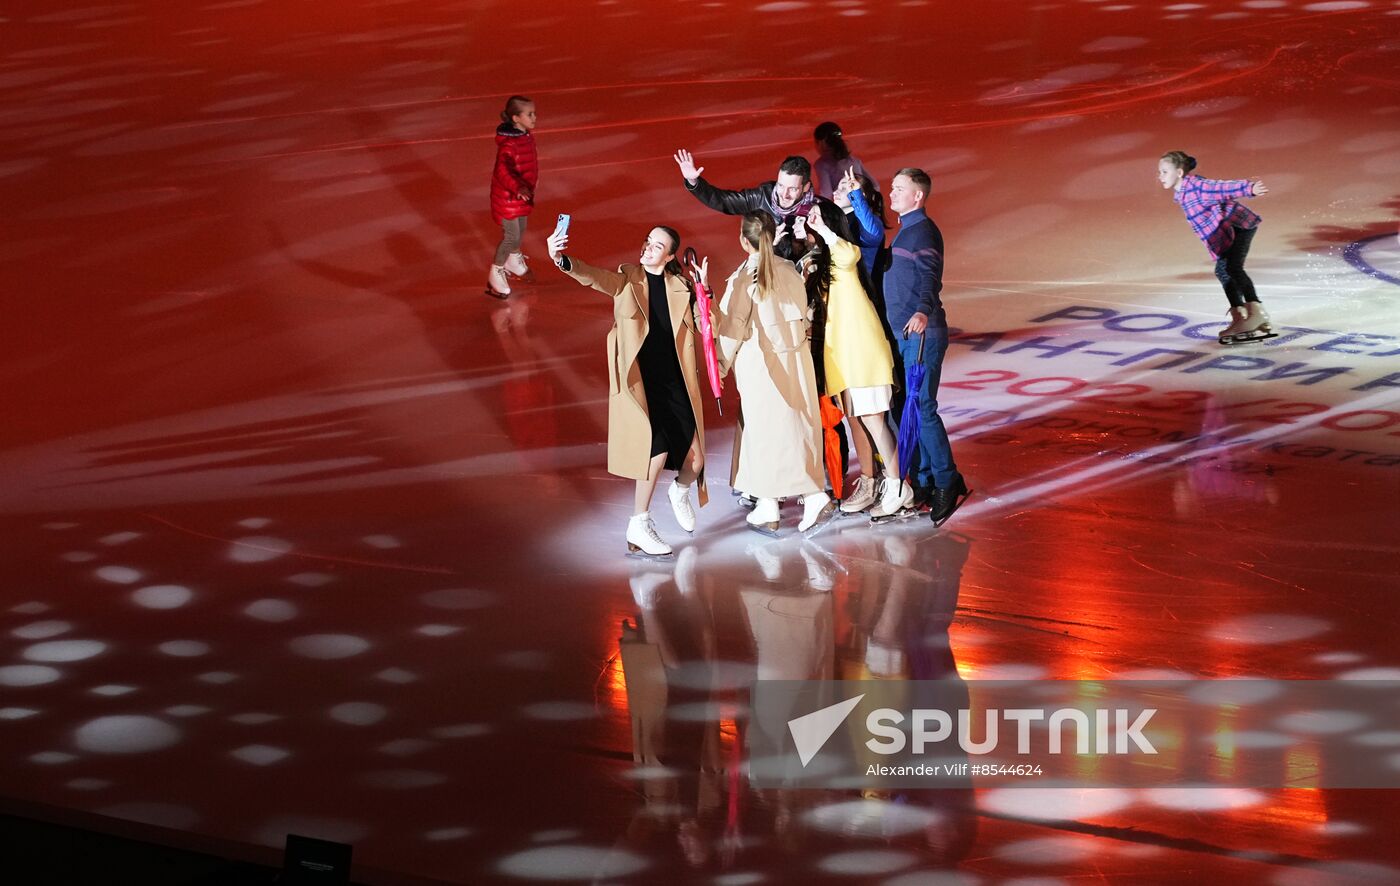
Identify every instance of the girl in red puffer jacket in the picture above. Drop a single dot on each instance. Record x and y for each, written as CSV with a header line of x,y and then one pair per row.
x,y
512,190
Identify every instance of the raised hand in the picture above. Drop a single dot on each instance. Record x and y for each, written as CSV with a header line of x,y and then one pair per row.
x,y
556,243
1259,189
815,220
702,271
848,183
687,165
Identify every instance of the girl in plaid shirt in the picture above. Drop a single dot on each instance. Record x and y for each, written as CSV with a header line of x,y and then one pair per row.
x,y
1227,228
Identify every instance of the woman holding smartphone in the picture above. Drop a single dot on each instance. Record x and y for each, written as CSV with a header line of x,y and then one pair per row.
x,y
655,422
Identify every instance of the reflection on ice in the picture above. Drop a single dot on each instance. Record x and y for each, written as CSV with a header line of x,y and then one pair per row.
x,y
271,610
41,630
257,549
1228,741
112,690
936,878
121,575
28,675
1371,674
329,646
1204,799
184,648
871,818
440,630
406,747
1322,722
1049,850
1256,630
863,862
571,863
359,713
162,596
125,734
1338,873
1242,691
65,650
1055,804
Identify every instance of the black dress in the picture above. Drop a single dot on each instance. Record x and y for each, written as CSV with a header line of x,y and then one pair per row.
x,y
668,401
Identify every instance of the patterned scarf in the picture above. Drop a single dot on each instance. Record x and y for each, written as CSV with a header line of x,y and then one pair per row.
x,y
786,216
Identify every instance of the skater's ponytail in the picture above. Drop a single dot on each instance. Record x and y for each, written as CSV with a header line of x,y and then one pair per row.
x,y
758,230
1181,160
674,266
514,105
829,135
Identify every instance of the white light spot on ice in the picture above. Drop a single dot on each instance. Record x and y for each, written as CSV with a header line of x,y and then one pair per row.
x,y
126,734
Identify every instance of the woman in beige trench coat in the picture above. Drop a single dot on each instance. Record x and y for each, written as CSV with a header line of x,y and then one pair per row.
x,y
764,335
655,421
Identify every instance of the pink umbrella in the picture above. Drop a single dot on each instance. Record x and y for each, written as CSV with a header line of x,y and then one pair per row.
x,y
707,336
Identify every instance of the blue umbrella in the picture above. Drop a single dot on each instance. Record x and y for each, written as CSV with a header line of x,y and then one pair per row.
x,y
909,422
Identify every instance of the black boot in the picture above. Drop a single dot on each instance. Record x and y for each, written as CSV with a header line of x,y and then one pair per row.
x,y
946,500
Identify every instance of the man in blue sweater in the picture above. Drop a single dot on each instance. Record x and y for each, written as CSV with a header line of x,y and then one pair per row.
x,y
912,286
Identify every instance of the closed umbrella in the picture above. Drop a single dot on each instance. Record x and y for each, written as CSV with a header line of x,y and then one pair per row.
x,y
831,450
909,422
707,336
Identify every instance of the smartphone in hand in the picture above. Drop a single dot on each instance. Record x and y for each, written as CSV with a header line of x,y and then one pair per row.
x,y
563,226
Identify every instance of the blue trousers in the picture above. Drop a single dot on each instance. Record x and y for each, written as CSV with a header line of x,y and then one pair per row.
x,y
933,461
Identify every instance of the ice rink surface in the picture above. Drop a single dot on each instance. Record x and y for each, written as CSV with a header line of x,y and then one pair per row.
x,y
304,533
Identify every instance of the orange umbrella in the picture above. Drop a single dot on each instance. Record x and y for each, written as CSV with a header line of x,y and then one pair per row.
x,y
831,450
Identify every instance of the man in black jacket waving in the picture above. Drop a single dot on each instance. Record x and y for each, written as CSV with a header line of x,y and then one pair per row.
x,y
788,199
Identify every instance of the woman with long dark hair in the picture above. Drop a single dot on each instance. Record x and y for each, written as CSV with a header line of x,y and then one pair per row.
x,y
858,366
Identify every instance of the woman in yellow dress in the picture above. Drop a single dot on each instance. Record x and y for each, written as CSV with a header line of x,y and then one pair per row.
x,y
859,368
